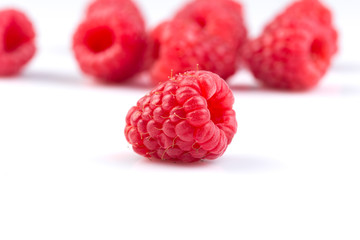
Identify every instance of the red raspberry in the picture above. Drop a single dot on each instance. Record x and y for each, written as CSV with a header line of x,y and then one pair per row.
x,y
154,42
205,32
309,9
312,10
124,7
293,52
17,44
223,18
186,119
110,46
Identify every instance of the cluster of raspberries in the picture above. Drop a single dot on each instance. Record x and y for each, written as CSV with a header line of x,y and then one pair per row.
x,y
112,43
189,116
293,52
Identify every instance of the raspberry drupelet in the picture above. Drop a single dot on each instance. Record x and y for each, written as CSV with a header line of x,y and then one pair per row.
x,y
186,119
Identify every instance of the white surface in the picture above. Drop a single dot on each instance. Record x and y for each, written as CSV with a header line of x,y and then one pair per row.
x,y
66,171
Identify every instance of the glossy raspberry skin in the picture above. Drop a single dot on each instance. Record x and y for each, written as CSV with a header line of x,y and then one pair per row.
x,y
110,45
210,33
186,119
295,50
17,41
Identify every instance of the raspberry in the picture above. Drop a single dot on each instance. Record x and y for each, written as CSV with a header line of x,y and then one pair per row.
x,y
123,7
223,18
110,45
154,41
294,52
17,45
309,9
185,119
312,10
210,33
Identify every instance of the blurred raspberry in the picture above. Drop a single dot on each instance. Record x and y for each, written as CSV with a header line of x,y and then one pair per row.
x,y
110,45
123,7
17,41
208,33
295,50
312,10
154,41
186,119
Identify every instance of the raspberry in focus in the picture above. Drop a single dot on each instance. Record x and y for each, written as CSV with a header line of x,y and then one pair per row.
x,y
186,119
17,41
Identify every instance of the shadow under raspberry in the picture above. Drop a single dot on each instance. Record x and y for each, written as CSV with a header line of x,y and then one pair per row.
x,y
229,163
140,81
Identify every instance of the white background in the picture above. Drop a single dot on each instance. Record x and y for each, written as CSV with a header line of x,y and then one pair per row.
x,y
66,171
